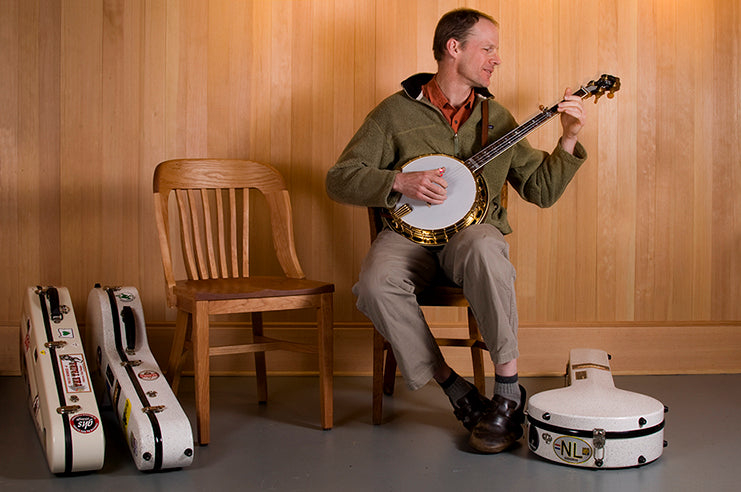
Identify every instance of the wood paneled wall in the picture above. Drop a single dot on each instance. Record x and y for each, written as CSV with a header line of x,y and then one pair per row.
x,y
94,93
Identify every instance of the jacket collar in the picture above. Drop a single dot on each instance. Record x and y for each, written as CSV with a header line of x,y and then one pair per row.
x,y
413,86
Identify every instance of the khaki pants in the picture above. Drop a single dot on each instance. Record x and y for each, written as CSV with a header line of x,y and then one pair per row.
x,y
395,269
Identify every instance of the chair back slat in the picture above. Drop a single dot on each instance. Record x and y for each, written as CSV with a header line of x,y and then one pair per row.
x,y
245,232
213,201
197,236
221,234
209,261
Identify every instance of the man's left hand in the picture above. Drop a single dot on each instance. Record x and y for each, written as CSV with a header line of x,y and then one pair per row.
x,y
573,118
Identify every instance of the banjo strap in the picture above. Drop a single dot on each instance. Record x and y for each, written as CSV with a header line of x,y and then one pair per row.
x,y
484,122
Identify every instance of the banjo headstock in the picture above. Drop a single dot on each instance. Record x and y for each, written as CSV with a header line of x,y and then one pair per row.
x,y
606,84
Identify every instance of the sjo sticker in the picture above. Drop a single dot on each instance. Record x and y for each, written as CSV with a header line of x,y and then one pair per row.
x,y
149,375
84,423
572,449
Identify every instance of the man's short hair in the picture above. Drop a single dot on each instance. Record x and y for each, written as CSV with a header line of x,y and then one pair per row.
x,y
456,24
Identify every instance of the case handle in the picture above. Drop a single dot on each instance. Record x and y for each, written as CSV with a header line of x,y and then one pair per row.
x,y
55,309
129,321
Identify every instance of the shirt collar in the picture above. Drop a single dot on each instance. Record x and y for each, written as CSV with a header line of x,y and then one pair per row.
x,y
436,96
413,86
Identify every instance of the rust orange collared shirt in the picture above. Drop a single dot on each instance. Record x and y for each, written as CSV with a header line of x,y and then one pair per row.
x,y
456,117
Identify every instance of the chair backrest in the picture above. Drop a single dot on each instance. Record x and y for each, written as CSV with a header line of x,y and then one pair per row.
x,y
213,202
374,222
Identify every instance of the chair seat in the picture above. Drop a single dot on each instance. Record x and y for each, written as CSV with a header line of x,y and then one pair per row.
x,y
253,287
442,295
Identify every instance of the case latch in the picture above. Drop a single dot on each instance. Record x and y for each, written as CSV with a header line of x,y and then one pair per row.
x,y
598,440
153,409
67,409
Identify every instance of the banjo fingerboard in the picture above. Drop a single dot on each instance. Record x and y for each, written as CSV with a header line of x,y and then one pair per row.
x,y
478,161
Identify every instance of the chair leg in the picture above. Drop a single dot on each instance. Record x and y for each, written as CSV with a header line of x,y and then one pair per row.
x,y
378,343
260,369
175,362
325,343
389,372
477,357
384,374
201,368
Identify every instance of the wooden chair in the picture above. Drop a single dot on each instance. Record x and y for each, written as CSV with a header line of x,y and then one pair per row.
x,y
442,294
213,201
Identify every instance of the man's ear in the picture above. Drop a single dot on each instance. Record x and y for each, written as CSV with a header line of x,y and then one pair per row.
x,y
453,46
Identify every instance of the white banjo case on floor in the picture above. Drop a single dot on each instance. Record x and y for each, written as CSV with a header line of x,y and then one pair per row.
x,y
154,424
591,423
60,394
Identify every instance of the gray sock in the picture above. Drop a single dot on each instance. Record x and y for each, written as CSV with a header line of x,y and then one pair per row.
x,y
508,387
455,387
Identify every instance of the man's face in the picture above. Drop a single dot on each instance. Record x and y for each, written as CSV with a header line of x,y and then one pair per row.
x,y
479,55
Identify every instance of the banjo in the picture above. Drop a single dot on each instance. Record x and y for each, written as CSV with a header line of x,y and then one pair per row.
x,y
468,196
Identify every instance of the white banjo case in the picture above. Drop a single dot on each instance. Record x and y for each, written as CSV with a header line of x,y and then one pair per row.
x,y
60,394
154,424
593,424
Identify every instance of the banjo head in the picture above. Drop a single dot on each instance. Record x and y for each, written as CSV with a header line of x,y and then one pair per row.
x,y
461,194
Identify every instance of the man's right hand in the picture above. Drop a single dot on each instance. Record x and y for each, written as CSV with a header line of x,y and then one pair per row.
x,y
427,186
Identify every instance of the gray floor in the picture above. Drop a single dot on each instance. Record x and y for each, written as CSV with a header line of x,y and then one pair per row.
x,y
279,446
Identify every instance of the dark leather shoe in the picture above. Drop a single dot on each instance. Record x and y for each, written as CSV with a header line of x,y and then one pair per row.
x,y
471,408
501,426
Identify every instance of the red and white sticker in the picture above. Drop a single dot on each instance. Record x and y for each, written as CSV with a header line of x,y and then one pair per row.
x,y
84,423
75,373
148,375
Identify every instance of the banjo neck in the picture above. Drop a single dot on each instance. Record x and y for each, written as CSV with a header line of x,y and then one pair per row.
x,y
476,163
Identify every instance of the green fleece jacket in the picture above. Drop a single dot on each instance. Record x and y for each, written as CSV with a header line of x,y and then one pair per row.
x,y
406,125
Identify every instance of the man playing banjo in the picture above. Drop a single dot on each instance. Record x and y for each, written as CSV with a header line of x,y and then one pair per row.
x,y
442,114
